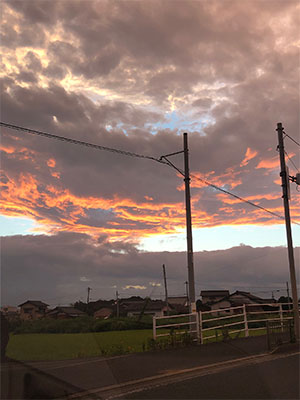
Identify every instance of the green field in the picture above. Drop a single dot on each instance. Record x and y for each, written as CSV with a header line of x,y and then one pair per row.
x,y
61,346
29,347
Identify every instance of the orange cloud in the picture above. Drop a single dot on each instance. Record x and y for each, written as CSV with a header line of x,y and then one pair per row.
x,y
270,163
248,156
57,209
51,163
7,149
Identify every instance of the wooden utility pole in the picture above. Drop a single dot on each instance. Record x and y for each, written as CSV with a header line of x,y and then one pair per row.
x,y
166,289
285,196
190,256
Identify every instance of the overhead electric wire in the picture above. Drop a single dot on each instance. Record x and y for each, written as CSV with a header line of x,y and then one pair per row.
x,y
238,197
293,140
79,142
127,153
295,166
227,192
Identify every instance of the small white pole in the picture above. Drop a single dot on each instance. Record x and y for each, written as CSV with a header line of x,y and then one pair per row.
x,y
245,321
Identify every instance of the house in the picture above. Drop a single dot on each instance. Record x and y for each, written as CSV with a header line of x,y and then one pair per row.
x,y
10,312
178,304
32,309
209,296
238,299
65,312
103,313
94,306
155,308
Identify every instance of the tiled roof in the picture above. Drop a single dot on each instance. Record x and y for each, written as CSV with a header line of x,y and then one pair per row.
x,y
214,293
67,310
36,303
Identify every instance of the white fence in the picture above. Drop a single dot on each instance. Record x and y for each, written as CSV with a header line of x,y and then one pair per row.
x,y
205,325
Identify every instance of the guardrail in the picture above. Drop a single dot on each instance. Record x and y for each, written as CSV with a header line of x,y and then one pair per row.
x,y
205,325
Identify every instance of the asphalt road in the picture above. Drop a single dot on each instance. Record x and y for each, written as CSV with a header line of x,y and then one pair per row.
x,y
273,379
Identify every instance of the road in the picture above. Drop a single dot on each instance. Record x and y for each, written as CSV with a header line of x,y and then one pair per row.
x,y
216,370
276,378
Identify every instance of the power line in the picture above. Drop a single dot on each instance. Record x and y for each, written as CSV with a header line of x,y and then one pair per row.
x,y
295,166
161,160
238,197
297,143
79,142
225,191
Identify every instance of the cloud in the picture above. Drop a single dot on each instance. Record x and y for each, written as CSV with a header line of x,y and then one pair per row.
x,y
154,284
50,267
135,287
84,279
248,156
133,76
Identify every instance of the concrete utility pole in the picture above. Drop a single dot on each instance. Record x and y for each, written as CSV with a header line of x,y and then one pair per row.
x,y
88,296
187,291
190,256
285,185
288,293
166,289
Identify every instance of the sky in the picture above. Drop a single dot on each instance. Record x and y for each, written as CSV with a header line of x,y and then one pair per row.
x,y
135,75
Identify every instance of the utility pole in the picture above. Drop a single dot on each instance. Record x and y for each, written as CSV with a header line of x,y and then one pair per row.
x,y
285,185
190,256
166,289
288,294
88,296
117,303
187,292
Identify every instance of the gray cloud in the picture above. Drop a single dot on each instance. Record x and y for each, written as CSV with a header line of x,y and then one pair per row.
x,y
51,268
133,76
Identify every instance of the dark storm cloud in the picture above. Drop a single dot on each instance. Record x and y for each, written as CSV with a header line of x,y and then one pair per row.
x,y
49,267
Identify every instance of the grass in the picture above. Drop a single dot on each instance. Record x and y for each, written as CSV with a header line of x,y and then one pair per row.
x,y
31,347
61,346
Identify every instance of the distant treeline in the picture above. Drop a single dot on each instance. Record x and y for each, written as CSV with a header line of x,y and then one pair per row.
x,y
78,325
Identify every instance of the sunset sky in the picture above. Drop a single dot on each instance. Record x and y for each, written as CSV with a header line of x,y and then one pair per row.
x,y
135,75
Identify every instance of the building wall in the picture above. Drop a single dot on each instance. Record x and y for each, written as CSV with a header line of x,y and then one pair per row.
x,y
30,312
206,299
220,305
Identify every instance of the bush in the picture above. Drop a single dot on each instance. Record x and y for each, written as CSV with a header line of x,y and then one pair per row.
x,y
170,342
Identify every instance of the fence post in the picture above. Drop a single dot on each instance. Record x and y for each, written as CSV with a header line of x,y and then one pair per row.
x,y
281,316
201,326
245,321
154,327
198,327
